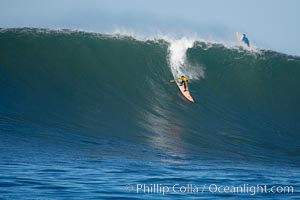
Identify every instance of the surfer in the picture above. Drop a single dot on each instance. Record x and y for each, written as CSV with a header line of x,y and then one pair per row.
x,y
184,82
245,40
183,86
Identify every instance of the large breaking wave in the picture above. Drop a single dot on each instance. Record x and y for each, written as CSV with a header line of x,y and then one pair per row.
x,y
78,89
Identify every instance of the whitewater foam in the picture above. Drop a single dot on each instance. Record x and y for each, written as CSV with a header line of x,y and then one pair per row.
x,y
177,51
177,59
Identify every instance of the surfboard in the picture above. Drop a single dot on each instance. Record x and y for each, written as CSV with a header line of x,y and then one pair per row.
x,y
239,36
186,94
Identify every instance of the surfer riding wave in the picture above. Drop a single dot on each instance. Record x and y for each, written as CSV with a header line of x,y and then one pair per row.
x,y
245,40
184,82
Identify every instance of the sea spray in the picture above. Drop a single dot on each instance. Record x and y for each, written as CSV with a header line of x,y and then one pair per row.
x,y
178,61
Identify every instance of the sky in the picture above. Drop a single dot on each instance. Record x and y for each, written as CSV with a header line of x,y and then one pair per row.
x,y
271,24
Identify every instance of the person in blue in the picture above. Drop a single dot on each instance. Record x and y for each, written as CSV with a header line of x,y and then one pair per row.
x,y
245,40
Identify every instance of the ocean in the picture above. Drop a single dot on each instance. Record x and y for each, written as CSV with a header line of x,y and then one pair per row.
x,y
88,115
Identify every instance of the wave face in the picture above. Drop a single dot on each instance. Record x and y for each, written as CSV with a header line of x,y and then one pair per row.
x,y
94,91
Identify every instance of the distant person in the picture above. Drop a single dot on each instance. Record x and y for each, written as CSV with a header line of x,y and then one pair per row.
x,y
245,40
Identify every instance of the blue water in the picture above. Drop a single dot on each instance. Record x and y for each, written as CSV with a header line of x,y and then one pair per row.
x,y
97,178
94,116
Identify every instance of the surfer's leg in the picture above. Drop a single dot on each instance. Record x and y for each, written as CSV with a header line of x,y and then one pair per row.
x,y
186,87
